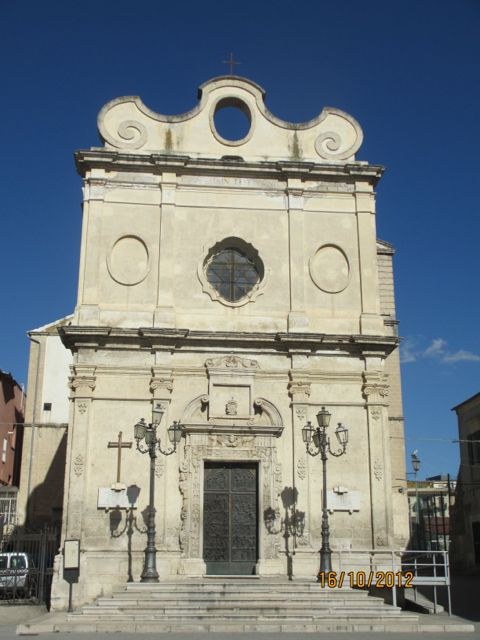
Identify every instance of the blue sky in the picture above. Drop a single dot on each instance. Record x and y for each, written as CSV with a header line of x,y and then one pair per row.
x,y
408,71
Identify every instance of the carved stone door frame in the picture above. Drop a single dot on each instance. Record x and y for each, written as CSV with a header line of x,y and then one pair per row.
x,y
201,448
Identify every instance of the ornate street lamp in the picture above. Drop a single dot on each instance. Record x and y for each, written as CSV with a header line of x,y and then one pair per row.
x,y
321,445
148,433
416,469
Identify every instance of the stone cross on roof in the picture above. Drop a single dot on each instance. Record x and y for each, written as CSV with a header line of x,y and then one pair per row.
x,y
232,62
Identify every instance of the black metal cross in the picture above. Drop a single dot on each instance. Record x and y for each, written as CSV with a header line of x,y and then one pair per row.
x,y
232,63
119,445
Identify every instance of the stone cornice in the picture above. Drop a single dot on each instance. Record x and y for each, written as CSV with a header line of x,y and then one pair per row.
x,y
45,425
97,158
76,337
237,429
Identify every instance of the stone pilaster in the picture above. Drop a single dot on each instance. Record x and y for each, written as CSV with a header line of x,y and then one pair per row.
x,y
375,391
299,390
297,319
161,387
165,312
370,319
82,385
94,189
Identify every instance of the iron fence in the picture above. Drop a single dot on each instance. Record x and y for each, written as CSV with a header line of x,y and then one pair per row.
x,y
26,565
395,569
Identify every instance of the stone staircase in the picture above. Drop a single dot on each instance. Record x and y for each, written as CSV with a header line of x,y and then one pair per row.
x,y
232,605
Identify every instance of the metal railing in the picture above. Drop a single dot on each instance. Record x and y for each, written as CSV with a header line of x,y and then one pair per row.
x,y
26,565
394,569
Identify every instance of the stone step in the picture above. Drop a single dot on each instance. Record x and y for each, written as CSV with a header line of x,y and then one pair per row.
x,y
157,589
338,624
226,613
129,600
177,616
234,606
238,601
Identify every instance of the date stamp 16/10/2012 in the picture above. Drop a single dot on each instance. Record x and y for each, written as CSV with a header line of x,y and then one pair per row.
x,y
362,579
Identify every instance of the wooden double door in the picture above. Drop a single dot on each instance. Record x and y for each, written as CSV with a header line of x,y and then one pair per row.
x,y
230,518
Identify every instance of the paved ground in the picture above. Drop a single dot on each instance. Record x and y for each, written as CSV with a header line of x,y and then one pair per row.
x,y
465,604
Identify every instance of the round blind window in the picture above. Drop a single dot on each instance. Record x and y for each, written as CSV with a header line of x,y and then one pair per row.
x,y
232,274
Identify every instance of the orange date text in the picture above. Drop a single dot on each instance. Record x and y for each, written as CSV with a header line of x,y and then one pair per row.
x,y
365,579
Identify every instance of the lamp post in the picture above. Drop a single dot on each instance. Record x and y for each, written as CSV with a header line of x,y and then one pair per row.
x,y
416,469
148,433
321,445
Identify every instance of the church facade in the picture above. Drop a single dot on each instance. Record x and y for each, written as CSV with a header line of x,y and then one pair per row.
x,y
237,285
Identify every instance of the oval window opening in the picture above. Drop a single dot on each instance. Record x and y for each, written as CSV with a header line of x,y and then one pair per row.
x,y
232,120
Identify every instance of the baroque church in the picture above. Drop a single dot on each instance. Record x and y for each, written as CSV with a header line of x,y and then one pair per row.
x,y
229,290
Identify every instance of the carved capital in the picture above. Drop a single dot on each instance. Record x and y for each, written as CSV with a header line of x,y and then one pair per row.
x,y
375,386
299,390
82,382
164,384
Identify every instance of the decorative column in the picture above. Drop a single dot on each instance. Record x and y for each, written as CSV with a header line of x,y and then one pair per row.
x,y
82,384
370,320
375,390
299,390
165,309
297,318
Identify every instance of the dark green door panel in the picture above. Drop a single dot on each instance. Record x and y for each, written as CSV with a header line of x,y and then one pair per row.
x,y
230,518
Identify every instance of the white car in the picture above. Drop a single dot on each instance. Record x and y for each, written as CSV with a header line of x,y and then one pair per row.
x,y
14,568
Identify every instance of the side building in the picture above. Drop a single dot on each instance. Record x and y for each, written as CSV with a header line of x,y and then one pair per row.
x,y
12,404
40,497
465,554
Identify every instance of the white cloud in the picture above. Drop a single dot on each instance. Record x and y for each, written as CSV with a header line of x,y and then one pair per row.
x,y
408,352
461,355
437,350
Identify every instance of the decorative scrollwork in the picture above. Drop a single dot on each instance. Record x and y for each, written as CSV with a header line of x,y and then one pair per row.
x,y
302,468
159,466
299,390
133,134
339,141
378,469
78,465
326,143
82,407
231,440
231,362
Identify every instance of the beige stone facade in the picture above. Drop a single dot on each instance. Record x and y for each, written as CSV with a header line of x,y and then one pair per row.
x,y
163,197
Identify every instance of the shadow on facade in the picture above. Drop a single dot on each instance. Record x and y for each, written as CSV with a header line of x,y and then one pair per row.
x,y
130,524
290,524
17,461
45,503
